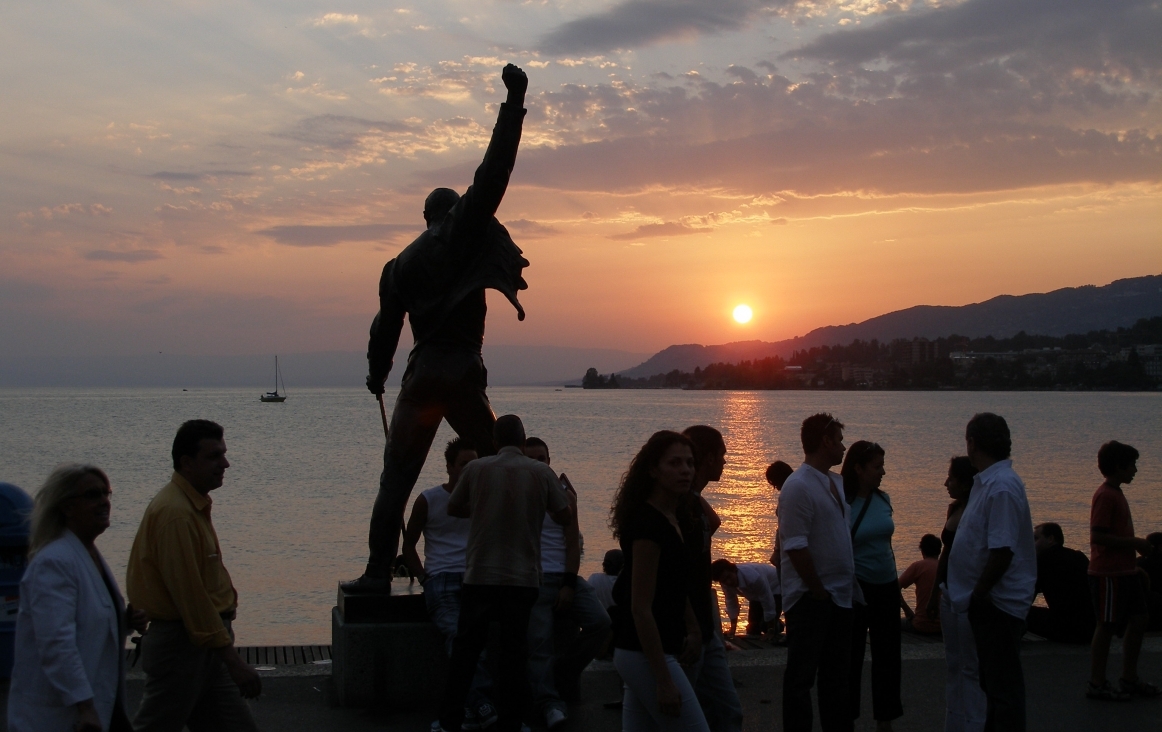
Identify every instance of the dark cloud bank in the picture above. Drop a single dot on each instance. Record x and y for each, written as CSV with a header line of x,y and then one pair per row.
x,y
984,95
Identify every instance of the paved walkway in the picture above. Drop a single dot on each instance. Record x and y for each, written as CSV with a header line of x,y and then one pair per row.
x,y
297,698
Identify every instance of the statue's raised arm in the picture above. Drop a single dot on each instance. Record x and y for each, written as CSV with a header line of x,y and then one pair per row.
x,y
482,199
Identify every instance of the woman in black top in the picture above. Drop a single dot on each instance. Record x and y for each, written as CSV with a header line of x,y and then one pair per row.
x,y
650,517
966,705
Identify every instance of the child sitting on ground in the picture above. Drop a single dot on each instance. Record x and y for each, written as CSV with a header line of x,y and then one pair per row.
x,y
923,575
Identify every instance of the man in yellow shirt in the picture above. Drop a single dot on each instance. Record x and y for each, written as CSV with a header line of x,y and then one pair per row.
x,y
193,675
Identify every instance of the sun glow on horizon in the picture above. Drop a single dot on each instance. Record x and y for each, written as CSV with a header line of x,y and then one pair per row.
x,y
743,314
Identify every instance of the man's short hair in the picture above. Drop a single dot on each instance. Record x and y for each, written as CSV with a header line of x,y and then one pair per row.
x,y
777,473
438,203
1113,456
719,568
930,545
990,433
189,438
1053,531
509,431
537,442
614,562
815,428
707,441
454,448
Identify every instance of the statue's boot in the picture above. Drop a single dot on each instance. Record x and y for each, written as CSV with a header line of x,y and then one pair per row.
x,y
368,584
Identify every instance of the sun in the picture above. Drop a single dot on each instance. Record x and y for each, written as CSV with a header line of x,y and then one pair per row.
x,y
743,314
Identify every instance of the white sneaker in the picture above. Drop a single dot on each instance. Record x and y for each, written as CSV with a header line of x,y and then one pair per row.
x,y
554,718
485,716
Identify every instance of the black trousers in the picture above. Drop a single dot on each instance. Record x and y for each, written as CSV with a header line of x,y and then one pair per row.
x,y
439,383
879,617
998,650
480,605
818,645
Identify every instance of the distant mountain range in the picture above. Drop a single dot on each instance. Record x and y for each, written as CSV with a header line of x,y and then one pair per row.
x,y
1057,313
507,366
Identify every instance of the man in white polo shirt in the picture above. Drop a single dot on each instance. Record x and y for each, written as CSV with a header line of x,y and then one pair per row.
x,y
992,569
818,578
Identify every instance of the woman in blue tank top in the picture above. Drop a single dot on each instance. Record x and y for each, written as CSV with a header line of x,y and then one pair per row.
x,y
875,570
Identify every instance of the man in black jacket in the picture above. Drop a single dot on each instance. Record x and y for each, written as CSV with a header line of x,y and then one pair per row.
x,y
438,281
1062,578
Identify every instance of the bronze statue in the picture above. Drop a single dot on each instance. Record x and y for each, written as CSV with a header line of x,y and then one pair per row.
x,y
439,282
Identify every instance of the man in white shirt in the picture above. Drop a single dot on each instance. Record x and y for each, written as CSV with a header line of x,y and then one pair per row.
x,y
758,583
441,572
818,579
568,624
992,569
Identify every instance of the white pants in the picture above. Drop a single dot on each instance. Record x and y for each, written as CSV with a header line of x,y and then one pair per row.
x,y
965,700
639,709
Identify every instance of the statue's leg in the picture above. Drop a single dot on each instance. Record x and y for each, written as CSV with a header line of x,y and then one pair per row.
x,y
414,422
470,414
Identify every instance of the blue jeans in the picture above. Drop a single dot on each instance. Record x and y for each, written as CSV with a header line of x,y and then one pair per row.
x,y
714,686
442,596
639,708
561,645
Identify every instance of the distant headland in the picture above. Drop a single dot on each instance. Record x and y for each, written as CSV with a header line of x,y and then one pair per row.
x,y
1075,338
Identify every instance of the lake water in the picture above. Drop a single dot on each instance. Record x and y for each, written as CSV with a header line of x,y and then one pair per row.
x,y
292,514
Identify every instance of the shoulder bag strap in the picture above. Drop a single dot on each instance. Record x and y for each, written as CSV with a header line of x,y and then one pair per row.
x,y
862,513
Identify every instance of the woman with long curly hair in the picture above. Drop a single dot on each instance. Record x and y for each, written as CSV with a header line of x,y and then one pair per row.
x,y
651,519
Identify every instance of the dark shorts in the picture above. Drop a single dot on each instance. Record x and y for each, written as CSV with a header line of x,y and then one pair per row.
x,y
1117,599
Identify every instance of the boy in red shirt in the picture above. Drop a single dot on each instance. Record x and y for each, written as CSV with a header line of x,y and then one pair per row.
x,y
1115,582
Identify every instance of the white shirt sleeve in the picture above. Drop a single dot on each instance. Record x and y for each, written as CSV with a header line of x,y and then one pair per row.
x,y
732,608
796,514
1005,525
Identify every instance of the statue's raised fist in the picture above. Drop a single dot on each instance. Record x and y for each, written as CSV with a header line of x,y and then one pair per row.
x,y
514,79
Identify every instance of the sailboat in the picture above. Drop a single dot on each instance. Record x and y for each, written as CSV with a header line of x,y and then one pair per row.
x,y
274,396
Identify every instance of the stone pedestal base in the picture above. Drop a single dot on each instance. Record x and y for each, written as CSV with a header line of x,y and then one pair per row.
x,y
399,663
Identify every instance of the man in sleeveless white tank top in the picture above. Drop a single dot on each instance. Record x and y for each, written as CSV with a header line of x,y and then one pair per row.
x,y
568,624
442,570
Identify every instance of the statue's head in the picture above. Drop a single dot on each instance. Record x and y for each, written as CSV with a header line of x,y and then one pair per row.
x,y
438,203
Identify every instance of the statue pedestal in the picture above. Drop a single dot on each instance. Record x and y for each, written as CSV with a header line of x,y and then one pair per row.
x,y
385,651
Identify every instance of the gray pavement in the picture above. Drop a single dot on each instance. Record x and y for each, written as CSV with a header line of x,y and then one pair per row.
x,y
298,698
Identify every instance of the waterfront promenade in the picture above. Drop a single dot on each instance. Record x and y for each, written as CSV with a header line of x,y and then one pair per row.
x,y
296,697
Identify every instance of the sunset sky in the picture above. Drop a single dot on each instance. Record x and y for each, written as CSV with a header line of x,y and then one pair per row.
x,y
230,177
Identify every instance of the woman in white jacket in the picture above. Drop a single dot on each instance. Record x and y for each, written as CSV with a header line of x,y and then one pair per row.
x,y
69,671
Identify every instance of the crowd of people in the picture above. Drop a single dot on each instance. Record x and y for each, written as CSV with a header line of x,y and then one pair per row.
x,y
833,577
502,545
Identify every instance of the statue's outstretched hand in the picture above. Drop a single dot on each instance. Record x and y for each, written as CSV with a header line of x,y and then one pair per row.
x,y
514,79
